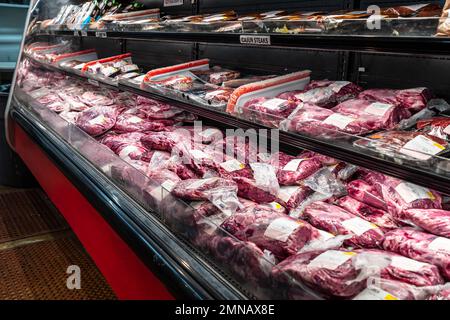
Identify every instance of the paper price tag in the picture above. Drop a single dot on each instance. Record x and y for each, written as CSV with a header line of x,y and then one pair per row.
x,y
411,192
172,3
373,293
331,259
358,225
338,120
281,228
100,34
421,148
83,33
292,165
232,165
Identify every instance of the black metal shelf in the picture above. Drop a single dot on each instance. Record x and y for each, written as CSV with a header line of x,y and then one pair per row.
x,y
358,43
290,141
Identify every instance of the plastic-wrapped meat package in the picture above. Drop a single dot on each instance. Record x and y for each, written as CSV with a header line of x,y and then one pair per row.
x,y
70,116
324,93
331,272
381,95
338,221
194,157
365,193
175,164
217,75
291,196
444,294
156,159
378,115
263,188
414,146
203,134
343,171
185,117
244,259
325,160
292,170
234,168
73,102
435,221
94,98
131,123
325,182
317,121
377,216
176,82
153,109
268,111
414,99
218,96
438,127
238,147
270,230
114,141
386,289
420,246
164,141
407,270
49,99
59,107
401,195
98,120
199,189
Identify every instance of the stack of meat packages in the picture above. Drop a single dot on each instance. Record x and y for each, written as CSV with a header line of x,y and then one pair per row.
x,y
325,107
294,227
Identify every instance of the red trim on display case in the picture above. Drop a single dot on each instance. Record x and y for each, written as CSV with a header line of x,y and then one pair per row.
x,y
127,275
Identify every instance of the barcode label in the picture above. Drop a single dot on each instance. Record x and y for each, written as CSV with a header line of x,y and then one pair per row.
x,y
100,34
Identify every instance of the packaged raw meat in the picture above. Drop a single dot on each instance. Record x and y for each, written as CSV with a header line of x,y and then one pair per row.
x,y
70,116
291,196
175,164
317,121
218,95
165,141
216,75
324,93
269,230
93,98
414,99
365,193
422,9
242,148
267,111
386,289
244,259
444,21
98,120
338,221
406,270
249,189
199,189
234,168
114,141
381,95
377,216
325,182
331,272
435,221
444,294
414,146
401,195
131,123
420,246
194,157
292,170
378,115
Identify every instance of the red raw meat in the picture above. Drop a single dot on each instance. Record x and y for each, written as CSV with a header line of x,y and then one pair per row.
x,y
270,230
249,189
420,246
131,123
414,99
331,272
338,221
292,170
435,221
268,111
97,120
362,191
377,216
442,295
198,189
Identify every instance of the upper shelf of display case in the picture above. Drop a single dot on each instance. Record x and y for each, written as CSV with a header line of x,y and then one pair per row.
x,y
407,29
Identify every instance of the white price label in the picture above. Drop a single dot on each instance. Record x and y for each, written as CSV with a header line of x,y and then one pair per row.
x,y
447,129
163,190
232,165
292,165
134,119
98,120
173,3
378,108
358,225
255,40
138,79
198,154
281,228
331,259
411,192
124,153
407,264
373,293
208,133
75,33
273,104
338,85
285,193
197,184
421,148
338,120
83,33
440,244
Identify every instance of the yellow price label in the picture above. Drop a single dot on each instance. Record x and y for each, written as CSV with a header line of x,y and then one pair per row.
x,y
349,253
390,297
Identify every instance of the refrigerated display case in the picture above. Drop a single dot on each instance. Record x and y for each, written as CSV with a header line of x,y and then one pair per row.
x,y
348,198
